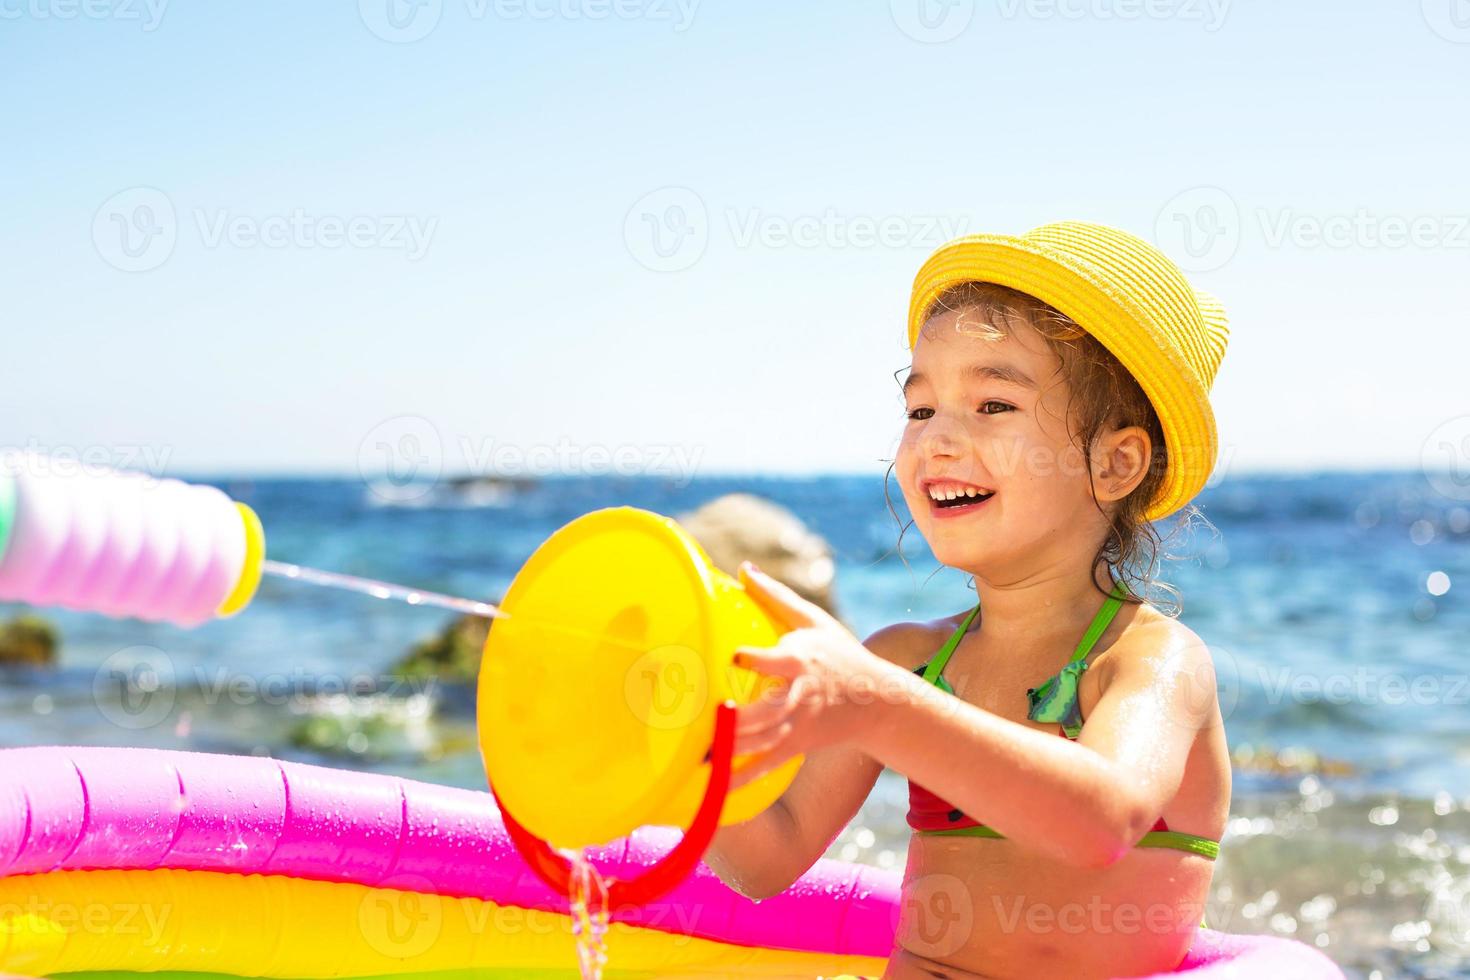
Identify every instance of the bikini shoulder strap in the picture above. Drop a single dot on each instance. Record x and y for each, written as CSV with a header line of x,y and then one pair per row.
x,y
936,665
1100,622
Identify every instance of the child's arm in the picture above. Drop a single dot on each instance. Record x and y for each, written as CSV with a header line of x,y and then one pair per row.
x,y
764,855
1086,802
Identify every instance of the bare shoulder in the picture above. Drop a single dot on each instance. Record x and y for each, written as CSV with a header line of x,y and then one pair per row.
x,y
1155,644
911,644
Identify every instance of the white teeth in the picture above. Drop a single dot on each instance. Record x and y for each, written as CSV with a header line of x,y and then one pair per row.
x,y
952,493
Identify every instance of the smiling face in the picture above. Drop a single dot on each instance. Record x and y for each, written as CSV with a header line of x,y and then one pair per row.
x,y
989,463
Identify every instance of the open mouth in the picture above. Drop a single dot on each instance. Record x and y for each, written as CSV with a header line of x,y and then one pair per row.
x,y
951,499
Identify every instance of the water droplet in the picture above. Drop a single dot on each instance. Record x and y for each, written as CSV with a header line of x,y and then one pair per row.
x,y
1384,816
1421,532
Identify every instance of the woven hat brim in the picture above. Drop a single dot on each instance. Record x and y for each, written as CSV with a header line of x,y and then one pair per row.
x,y
1104,310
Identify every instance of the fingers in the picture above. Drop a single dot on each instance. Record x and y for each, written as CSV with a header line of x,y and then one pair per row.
x,y
764,738
779,599
765,723
771,661
768,740
761,714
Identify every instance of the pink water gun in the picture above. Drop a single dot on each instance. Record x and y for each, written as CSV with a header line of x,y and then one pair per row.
x,y
124,544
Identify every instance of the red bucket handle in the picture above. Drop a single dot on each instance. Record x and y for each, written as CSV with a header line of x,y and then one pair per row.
x,y
554,869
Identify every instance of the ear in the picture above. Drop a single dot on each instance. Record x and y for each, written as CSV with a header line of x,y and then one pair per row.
x,y
1120,462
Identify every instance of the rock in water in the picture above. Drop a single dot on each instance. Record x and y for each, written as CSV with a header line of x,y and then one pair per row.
x,y
731,529
740,526
451,655
28,640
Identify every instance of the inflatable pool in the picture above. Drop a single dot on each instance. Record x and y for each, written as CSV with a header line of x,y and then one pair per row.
x,y
121,861
124,861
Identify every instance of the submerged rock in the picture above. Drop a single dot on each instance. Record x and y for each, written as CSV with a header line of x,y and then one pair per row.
x,y
378,726
30,640
740,526
452,655
1290,761
731,529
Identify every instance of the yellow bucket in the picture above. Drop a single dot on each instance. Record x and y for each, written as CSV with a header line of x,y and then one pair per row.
x,y
597,697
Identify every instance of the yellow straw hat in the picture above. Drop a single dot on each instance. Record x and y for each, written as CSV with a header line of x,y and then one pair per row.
x,y
1134,300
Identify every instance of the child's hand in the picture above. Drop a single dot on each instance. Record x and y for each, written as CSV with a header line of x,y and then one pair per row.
x,y
829,676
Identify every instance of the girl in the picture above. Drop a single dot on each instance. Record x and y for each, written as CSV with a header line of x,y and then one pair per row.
x,y
1068,773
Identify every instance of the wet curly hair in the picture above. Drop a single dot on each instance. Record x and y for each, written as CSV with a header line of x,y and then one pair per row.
x,y
1102,394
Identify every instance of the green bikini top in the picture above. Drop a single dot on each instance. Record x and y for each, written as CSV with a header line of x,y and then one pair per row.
x,y
1055,702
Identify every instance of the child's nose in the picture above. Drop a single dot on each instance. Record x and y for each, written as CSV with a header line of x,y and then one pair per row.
x,y
944,436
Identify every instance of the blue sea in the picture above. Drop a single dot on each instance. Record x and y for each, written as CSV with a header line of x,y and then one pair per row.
x,y
1335,605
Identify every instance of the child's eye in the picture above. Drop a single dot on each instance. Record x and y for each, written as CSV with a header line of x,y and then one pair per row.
x,y
920,414
994,408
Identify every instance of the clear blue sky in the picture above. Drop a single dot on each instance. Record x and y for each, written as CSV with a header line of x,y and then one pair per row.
x,y
523,139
